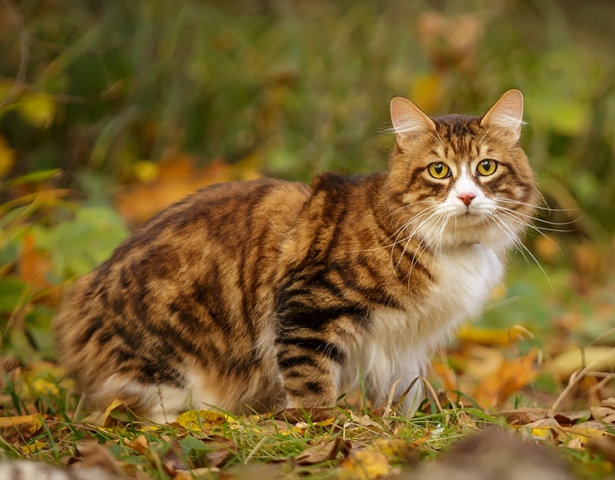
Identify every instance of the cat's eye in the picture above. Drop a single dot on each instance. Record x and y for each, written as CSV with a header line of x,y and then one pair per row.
x,y
439,170
487,167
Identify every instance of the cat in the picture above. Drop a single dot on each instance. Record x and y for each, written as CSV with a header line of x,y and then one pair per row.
x,y
247,296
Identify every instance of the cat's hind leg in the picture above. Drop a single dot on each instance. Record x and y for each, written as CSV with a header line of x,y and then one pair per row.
x,y
159,403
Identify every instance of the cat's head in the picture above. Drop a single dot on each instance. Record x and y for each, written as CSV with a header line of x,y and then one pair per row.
x,y
458,179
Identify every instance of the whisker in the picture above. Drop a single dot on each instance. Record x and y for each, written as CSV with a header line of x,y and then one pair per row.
x,y
531,217
518,243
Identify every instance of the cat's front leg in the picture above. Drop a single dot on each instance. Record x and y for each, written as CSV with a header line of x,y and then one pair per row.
x,y
309,366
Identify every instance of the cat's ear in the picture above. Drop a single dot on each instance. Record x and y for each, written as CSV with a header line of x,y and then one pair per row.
x,y
506,113
409,120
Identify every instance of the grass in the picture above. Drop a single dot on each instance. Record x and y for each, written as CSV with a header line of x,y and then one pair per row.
x,y
42,421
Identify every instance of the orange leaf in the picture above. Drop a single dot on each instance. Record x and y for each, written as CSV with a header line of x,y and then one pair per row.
x,y
509,378
33,265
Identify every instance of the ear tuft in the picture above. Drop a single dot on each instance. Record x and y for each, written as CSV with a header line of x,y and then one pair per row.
x,y
408,119
506,113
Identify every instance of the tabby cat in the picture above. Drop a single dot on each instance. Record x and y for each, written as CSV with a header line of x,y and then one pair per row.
x,y
261,294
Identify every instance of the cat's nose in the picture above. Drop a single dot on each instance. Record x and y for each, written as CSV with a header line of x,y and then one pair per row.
x,y
466,197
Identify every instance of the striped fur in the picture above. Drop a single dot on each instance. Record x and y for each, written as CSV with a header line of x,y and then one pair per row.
x,y
254,295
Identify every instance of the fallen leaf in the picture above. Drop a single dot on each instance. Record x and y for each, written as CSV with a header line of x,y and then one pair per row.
x,y
115,413
36,446
322,452
364,421
140,444
94,455
365,465
523,416
595,358
172,460
396,448
600,413
510,377
198,420
21,424
223,450
576,444
197,473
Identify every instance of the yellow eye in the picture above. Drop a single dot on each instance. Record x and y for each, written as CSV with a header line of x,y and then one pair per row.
x,y
487,167
439,170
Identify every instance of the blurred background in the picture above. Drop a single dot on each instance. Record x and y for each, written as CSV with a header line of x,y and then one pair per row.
x,y
109,111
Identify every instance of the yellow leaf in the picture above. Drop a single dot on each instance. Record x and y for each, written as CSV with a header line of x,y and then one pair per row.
x,y
392,447
115,404
491,336
37,446
7,157
596,358
7,422
365,465
37,108
543,433
196,420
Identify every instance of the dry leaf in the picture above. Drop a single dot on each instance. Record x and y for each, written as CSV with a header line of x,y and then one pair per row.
x,y
524,416
397,448
94,455
364,421
365,465
140,444
600,413
223,450
197,473
510,377
20,424
115,413
322,452
172,461
595,358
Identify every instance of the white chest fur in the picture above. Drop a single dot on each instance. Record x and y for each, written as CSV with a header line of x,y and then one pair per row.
x,y
400,342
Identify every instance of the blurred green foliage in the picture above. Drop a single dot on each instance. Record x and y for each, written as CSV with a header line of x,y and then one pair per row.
x,y
303,86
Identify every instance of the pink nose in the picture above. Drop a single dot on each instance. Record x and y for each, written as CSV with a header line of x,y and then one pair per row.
x,y
466,198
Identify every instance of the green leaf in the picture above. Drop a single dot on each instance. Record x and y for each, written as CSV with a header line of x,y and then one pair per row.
x,y
33,177
14,293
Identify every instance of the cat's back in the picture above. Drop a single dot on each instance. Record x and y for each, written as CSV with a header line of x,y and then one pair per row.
x,y
143,310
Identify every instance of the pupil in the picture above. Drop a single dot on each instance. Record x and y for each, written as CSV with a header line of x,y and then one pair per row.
x,y
486,164
439,168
